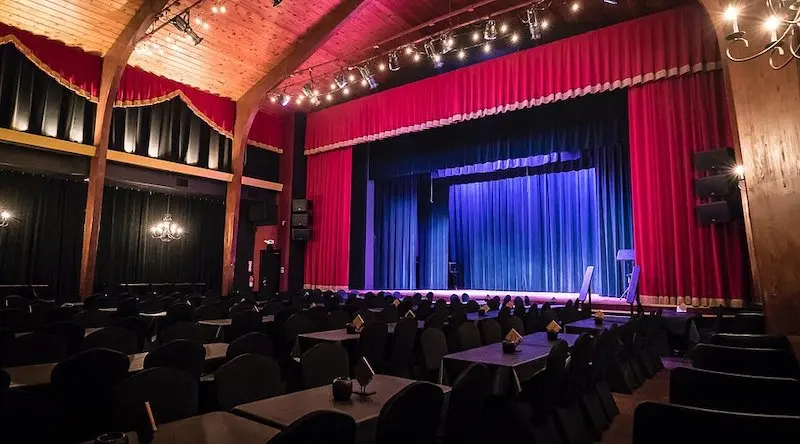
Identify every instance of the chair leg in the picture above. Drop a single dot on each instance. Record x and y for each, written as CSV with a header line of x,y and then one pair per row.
x,y
594,414
607,400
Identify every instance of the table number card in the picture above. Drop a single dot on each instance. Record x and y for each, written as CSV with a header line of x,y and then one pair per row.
x,y
514,337
410,314
396,302
485,309
553,326
358,322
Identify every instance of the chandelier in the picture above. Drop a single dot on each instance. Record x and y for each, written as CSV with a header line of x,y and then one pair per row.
x,y
166,230
781,27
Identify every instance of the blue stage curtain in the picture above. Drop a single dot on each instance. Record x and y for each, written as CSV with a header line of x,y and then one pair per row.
x,y
525,233
433,233
396,233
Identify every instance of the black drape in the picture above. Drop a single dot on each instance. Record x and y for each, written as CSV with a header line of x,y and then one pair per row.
x,y
169,131
42,244
127,253
33,102
261,164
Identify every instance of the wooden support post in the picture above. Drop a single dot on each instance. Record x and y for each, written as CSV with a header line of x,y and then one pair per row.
x,y
114,63
246,108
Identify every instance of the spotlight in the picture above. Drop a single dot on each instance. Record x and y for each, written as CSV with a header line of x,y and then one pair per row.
x,y
273,99
197,21
285,100
738,170
181,22
346,91
5,218
416,57
214,9
545,24
205,26
462,54
367,79
475,36
329,97
514,37
429,51
341,82
487,47
276,2
308,90
534,25
490,30
314,101
298,101
448,42
437,61
575,7
503,28
610,2
394,63
382,67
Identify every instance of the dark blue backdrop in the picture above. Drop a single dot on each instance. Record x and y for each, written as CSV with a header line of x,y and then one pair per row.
x,y
521,201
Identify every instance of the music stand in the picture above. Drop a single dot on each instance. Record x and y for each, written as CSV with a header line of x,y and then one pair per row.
x,y
625,256
633,289
586,286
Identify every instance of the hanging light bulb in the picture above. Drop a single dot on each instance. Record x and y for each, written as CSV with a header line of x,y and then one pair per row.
x,y
394,63
382,67
367,79
448,42
223,9
346,91
490,30
408,50
416,57
503,28
534,25
308,90
299,100
545,24
329,97
514,37
575,7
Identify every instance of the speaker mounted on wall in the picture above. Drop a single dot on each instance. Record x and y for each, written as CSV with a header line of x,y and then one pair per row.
x,y
715,186
300,220
716,161
301,234
301,206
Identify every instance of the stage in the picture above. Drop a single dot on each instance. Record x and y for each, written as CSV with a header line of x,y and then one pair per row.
x,y
604,302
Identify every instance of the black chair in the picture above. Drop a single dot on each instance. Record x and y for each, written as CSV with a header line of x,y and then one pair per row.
x,y
493,303
127,307
94,319
533,321
83,385
138,326
28,418
113,338
172,394
514,322
15,302
743,323
59,314
257,343
544,392
372,344
208,312
468,336
436,320
734,393
181,354
337,319
188,331
319,317
424,310
323,363
322,427
780,342
706,426
421,401
17,321
243,323
297,324
405,334
746,361
389,314
36,348
467,404
491,332
472,307
569,411
179,312
70,332
434,348
5,380
247,378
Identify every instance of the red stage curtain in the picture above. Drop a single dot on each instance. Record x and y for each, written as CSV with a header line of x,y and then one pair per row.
x,y
669,121
660,45
327,263
72,67
139,88
268,131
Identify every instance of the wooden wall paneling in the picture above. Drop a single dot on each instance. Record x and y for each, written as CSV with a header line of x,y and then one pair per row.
x,y
765,104
114,62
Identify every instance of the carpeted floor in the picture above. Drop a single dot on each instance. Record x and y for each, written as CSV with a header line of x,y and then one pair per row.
x,y
656,389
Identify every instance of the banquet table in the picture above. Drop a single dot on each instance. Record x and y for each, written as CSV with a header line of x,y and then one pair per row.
x,y
281,411
588,325
509,370
39,374
307,340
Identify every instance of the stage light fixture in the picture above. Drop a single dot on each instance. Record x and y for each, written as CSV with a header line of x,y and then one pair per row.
x,y
182,23
308,90
351,78
333,86
205,26
214,9
223,9
367,79
437,61
382,67
429,51
298,101
394,62
273,98
285,99
448,42
276,2
738,170
341,82
535,26
490,30
197,21
545,24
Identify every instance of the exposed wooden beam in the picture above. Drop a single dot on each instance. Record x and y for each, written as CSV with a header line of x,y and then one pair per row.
x,y
114,62
165,165
247,106
44,142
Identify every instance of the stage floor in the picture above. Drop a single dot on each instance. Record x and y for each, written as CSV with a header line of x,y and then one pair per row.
x,y
534,296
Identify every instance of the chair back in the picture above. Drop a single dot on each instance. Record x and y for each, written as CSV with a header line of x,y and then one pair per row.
x,y
780,342
208,312
172,394
319,317
247,378
389,314
746,361
372,344
297,324
337,319
650,418
467,405
493,303
472,306
321,427
257,343
36,348
94,319
138,326
113,338
734,393
70,332
188,331
323,363
468,336
436,320
744,323
424,310
491,333
421,401
244,322
405,334
181,354
179,312
434,347
533,322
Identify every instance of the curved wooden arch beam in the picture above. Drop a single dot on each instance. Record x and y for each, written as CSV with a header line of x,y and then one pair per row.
x,y
114,62
248,105
764,105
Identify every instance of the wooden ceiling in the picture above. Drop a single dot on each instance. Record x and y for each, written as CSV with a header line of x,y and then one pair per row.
x,y
241,45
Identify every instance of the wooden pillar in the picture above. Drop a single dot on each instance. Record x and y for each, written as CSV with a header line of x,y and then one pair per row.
x,y
114,63
285,202
764,106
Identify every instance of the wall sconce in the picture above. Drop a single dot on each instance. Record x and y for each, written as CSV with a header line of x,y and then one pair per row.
x,y
5,218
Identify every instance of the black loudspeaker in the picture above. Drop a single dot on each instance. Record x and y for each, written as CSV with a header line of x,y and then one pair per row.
x,y
714,186
300,221
301,234
714,212
720,160
300,206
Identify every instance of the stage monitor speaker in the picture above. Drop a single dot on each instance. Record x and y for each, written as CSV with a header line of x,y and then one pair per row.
x,y
719,160
714,212
301,234
300,221
714,186
300,206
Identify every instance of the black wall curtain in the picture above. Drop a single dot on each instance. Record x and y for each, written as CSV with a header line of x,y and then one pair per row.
x,y
169,131
261,164
42,244
33,102
127,253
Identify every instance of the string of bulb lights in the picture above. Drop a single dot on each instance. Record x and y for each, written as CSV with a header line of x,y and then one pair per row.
x,y
435,49
781,26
